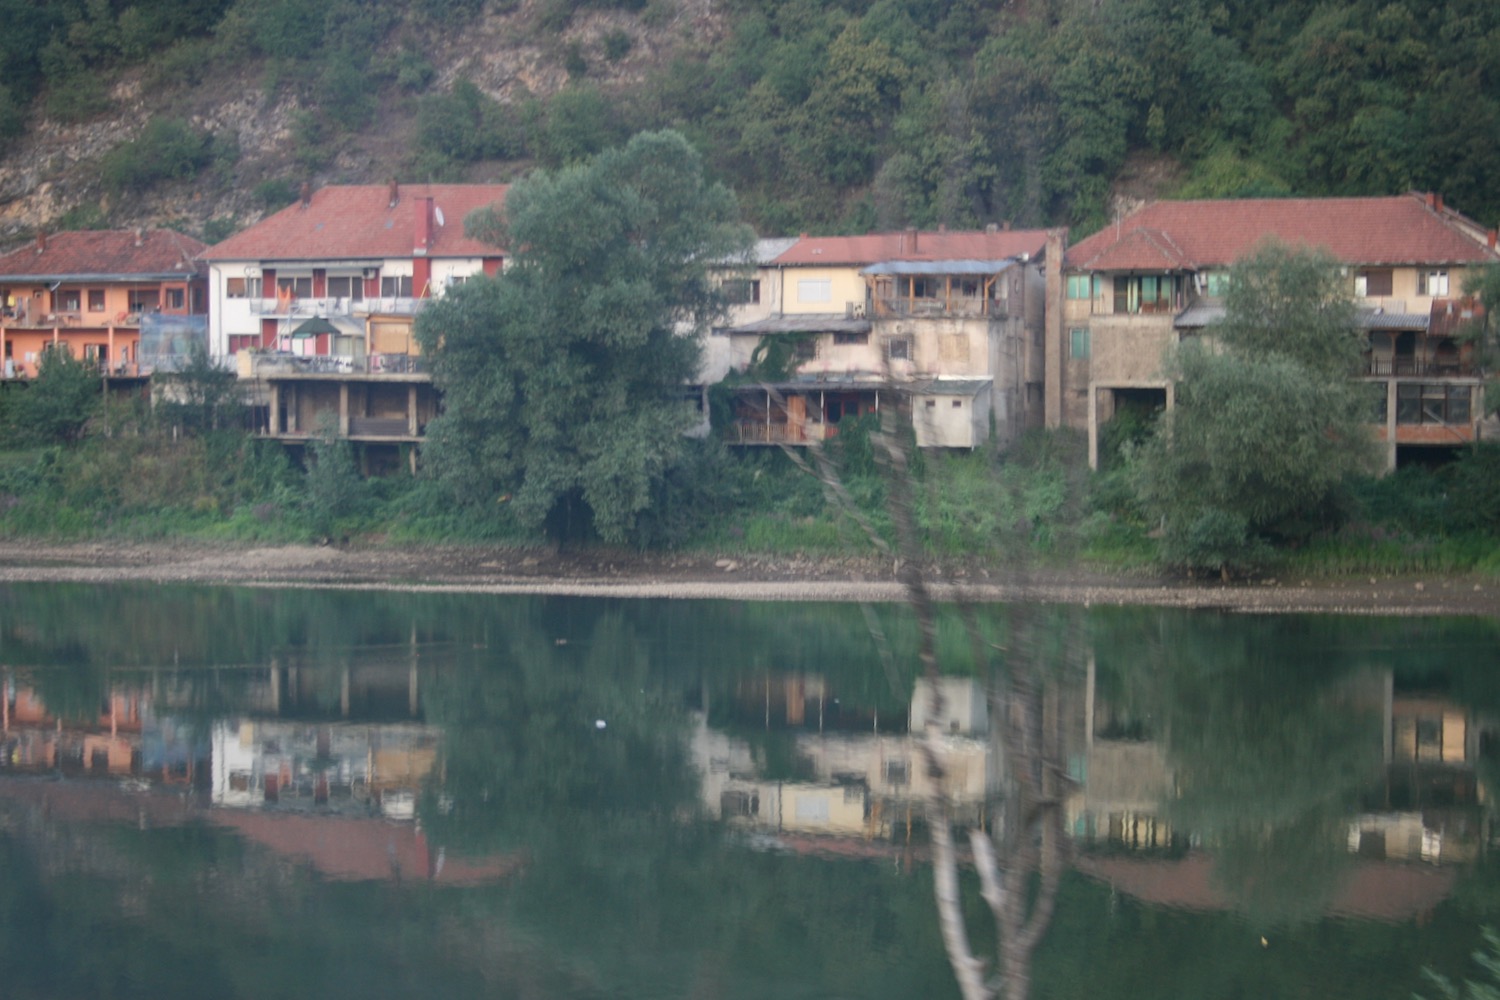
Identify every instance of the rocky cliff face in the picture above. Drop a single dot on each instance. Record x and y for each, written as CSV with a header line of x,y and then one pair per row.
x,y
53,169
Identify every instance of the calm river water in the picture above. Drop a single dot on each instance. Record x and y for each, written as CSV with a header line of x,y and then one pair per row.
x,y
306,793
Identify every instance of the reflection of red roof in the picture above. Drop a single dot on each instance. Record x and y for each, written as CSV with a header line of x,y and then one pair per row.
x,y
358,222
874,248
344,848
1405,229
1372,890
353,848
158,253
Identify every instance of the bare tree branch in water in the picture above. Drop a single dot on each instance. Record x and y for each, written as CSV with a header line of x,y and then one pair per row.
x,y
1020,863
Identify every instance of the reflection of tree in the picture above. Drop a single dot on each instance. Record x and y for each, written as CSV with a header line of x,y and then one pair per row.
x,y
1271,746
525,762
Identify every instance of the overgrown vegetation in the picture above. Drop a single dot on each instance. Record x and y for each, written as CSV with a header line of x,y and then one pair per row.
x,y
843,116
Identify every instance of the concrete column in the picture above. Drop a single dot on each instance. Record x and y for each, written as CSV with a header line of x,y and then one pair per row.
x,y
1052,317
1093,426
343,409
274,421
411,410
1390,426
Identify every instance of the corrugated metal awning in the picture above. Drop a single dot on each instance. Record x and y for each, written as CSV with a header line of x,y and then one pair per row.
x,y
968,267
804,323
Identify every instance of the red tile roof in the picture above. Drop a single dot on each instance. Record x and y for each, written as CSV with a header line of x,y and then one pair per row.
x,y
1193,235
157,253
358,222
874,248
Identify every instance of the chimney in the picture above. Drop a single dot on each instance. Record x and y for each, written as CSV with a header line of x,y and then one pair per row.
x,y
1440,205
422,233
992,228
305,194
1490,238
395,194
41,240
1431,200
942,227
1005,225
140,236
911,231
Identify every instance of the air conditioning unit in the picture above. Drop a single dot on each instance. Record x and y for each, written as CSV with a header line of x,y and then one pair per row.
x,y
859,310
370,273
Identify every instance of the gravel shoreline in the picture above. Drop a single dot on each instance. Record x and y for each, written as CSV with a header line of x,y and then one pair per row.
x,y
635,575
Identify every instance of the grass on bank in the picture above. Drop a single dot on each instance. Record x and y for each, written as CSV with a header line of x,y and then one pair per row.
x,y
1037,502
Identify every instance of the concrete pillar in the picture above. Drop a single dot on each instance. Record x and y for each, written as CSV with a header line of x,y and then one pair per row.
x,y
1093,426
1390,426
411,412
1052,356
274,418
343,409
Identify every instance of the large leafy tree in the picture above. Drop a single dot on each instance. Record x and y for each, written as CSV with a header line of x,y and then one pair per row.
x,y
1268,421
563,376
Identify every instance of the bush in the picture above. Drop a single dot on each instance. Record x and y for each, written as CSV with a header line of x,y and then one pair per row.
x,y
56,405
167,149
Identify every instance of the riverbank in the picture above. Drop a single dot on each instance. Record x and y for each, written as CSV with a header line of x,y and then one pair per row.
x,y
633,574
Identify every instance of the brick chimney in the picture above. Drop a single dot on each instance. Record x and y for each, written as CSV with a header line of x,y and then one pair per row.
x,y
1490,238
41,240
911,232
422,234
304,195
395,194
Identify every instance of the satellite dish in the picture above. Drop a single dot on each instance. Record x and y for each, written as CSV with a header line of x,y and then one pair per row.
x,y
438,212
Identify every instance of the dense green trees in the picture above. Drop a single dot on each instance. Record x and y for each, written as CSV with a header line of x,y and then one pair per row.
x,y
563,376
1268,422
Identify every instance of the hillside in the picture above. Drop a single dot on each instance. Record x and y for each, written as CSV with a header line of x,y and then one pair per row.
x,y
205,114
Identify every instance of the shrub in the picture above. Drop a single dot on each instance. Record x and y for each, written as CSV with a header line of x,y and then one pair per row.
x,y
167,149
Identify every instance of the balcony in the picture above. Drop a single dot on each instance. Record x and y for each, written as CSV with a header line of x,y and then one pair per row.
x,y
1408,367
276,363
760,432
27,320
966,307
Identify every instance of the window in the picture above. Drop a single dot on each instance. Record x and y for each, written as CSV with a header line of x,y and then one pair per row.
x,y
805,349
1081,286
1079,342
1433,403
96,300
1216,284
294,287
924,288
69,300
242,288
1144,293
851,339
898,348
1374,282
814,290
143,300
742,291
1432,282
897,772
958,404
175,298
350,287
396,286
242,342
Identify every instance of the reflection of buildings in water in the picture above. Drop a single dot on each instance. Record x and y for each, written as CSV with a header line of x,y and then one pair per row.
x,y
338,768
126,739
865,785
1431,806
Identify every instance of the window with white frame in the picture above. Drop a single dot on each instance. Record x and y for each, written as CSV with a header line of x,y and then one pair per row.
x,y
242,288
346,286
395,286
1432,282
814,290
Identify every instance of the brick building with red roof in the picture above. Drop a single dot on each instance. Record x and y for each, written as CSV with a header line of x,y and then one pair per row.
x,y
1135,288
316,303
86,292
953,318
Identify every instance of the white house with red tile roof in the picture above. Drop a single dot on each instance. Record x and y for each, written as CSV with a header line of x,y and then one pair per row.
x,y
954,318
363,258
86,292
1135,288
